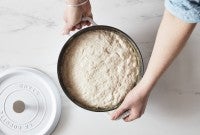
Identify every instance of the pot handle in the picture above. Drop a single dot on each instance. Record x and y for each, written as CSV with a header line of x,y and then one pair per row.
x,y
90,20
93,23
124,115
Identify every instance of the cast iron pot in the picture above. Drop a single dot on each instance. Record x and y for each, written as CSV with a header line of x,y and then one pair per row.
x,y
66,46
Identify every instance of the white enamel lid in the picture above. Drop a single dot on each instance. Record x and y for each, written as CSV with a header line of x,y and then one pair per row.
x,y
30,103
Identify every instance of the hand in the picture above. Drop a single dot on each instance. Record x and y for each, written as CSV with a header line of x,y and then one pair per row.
x,y
73,16
135,101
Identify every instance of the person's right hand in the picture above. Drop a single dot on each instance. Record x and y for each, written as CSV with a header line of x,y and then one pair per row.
x,y
135,102
73,17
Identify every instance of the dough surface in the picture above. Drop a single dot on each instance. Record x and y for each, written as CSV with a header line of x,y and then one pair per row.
x,y
100,68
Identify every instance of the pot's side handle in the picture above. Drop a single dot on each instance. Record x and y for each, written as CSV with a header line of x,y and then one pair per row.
x,y
124,115
90,20
85,19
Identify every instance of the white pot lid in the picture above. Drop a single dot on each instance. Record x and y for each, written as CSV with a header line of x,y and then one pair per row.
x,y
30,103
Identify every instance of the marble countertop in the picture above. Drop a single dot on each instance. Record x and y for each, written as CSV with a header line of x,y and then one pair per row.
x,y
30,35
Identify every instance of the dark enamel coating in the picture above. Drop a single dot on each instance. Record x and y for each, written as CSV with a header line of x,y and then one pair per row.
x,y
67,44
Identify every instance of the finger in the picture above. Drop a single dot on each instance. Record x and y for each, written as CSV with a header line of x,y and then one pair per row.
x,y
118,112
134,115
83,23
78,26
67,29
73,29
88,23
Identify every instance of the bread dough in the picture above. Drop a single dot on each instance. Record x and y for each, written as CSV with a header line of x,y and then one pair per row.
x,y
100,68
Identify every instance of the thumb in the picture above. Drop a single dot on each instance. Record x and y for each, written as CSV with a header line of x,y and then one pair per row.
x,y
118,112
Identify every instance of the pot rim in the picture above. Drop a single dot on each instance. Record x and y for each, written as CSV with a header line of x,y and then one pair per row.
x,y
67,44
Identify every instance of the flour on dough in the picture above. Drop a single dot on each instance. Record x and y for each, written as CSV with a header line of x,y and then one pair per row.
x,y
100,68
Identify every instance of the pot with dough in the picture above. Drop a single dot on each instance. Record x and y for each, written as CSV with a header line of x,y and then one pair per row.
x,y
98,66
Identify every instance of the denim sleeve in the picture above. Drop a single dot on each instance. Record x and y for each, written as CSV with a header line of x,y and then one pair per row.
x,y
186,10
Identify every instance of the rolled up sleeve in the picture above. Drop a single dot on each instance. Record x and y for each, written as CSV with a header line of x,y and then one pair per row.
x,y
186,10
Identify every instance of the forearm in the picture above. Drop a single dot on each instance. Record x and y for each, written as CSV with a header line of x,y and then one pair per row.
x,y
171,38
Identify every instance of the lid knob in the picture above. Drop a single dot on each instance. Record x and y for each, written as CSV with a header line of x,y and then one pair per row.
x,y
19,106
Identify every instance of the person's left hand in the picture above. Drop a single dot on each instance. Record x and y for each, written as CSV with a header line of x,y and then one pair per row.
x,y
73,16
135,101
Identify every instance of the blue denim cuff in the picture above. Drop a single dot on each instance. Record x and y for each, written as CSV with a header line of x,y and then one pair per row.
x,y
186,10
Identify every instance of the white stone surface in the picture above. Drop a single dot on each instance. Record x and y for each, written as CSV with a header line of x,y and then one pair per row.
x,y
30,35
